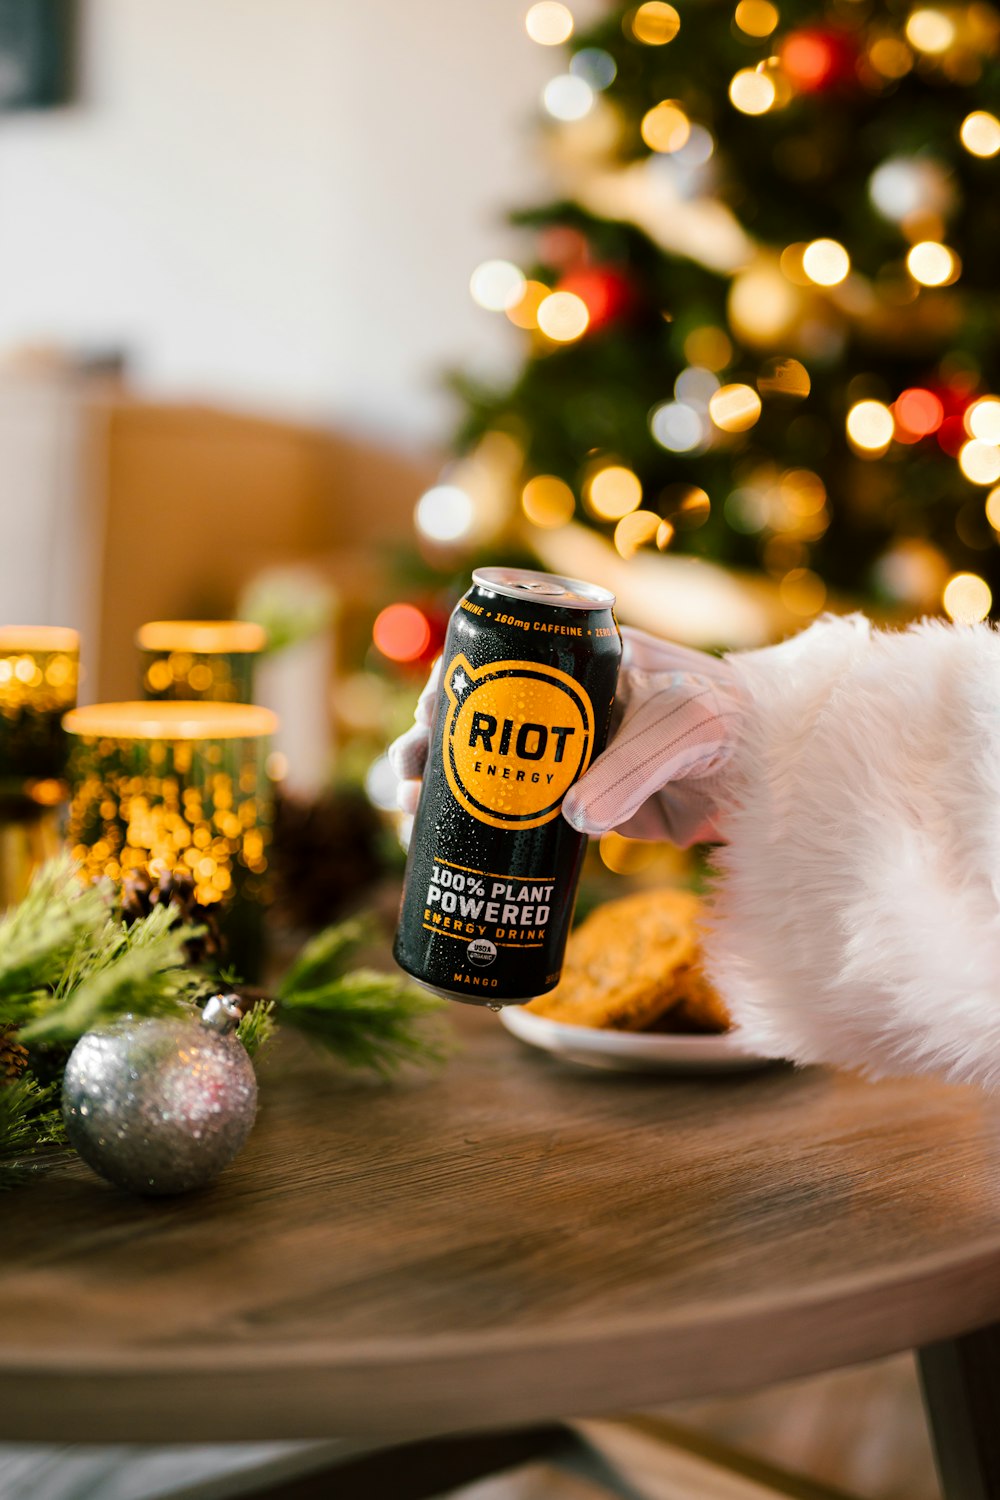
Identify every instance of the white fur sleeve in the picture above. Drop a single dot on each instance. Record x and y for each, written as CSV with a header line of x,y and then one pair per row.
x,y
857,913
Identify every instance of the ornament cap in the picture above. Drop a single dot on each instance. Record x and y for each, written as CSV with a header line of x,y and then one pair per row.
x,y
221,1014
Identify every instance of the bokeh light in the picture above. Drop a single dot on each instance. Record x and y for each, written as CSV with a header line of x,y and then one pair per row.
x,y
548,501
677,427
979,462
930,30
614,491
752,93
549,23
567,97
636,530
967,598
870,427
594,66
402,632
563,317
734,408
982,419
445,513
980,133
809,58
496,285
993,509
802,591
890,57
523,313
931,264
756,17
917,412
708,346
625,856
696,386
654,23
784,377
826,262
665,127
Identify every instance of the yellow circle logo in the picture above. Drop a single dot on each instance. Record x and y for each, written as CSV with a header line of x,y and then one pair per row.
x,y
517,734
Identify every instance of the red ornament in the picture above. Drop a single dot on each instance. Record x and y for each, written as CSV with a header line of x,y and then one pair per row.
x,y
606,291
814,58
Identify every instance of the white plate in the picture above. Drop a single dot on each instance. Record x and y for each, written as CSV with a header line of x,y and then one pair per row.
x,y
632,1051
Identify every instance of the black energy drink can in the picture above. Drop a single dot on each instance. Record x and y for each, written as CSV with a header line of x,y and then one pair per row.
x,y
528,678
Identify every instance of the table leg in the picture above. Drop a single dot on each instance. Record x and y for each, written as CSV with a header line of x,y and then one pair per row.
x,y
961,1384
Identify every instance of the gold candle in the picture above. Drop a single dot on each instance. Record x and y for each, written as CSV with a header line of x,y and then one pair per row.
x,y
39,670
211,659
162,786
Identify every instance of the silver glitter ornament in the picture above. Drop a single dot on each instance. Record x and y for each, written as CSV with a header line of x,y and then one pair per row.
x,y
161,1105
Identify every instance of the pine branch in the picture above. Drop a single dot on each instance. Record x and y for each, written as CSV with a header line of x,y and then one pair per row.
x,y
257,1026
25,1125
39,936
139,970
324,956
368,1020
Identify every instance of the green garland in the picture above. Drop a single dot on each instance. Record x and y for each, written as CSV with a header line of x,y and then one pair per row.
x,y
68,964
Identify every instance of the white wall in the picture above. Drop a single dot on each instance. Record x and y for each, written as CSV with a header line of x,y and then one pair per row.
x,y
277,203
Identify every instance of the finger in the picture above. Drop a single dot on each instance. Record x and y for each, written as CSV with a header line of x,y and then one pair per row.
x,y
408,754
408,795
678,732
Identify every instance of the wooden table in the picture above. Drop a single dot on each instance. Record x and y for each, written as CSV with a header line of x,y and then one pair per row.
x,y
512,1244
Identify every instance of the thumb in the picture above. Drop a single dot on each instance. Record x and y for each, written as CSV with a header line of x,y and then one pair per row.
x,y
682,729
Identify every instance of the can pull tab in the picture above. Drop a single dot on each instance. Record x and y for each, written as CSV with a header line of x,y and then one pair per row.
x,y
549,589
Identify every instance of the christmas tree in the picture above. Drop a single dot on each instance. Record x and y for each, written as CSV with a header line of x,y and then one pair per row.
x,y
761,316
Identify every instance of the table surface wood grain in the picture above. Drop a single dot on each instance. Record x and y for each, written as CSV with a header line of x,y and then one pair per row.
x,y
512,1241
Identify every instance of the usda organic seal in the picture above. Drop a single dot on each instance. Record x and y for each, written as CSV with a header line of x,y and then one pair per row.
x,y
481,952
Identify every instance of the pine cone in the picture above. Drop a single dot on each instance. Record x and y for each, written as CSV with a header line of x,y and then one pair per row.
x,y
13,1057
326,854
141,892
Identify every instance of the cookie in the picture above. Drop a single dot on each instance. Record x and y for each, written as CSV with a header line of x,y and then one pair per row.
x,y
623,962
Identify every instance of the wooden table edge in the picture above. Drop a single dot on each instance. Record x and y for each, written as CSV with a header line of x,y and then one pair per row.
x,y
399,1388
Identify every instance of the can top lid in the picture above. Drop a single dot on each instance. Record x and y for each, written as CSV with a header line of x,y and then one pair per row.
x,y
543,588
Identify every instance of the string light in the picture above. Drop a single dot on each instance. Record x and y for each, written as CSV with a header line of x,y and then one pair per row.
x,y
752,93
917,413
870,427
665,127
696,386
993,509
547,501
496,285
890,57
563,317
677,427
664,535
931,263
734,408
549,23
930,31
524,312
401,632
756,17
567,97
762,305
445,513
967,598
982,420
708,346
635,530
980,133
595,66
613,492
802,592
784,377
826,262
979,462
654,23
